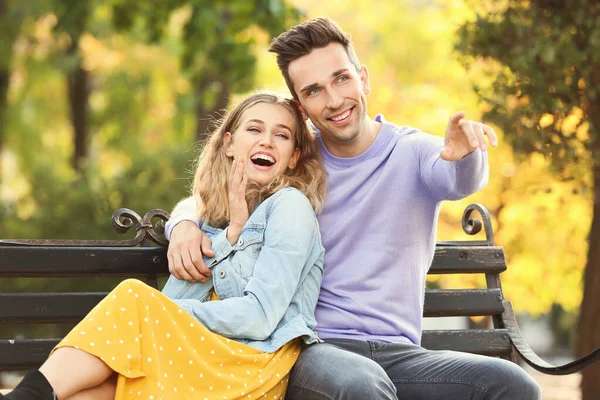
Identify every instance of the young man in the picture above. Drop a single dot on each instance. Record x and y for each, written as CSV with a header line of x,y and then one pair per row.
x,y
378,227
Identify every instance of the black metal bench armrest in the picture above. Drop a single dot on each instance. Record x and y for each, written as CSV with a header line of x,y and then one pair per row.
x,y
529,356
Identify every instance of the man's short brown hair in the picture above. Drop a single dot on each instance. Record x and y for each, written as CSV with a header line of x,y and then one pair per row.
x,y
301,39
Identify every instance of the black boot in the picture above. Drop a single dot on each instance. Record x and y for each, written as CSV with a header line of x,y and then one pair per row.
x,y
34,386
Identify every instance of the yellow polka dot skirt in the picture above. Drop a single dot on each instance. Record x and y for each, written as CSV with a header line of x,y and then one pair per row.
x,y
162,352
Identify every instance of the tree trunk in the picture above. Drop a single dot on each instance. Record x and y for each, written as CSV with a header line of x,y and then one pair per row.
x,y
4,78
79,93
209,110
589,316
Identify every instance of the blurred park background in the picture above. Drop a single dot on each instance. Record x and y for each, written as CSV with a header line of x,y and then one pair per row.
x,y
103,102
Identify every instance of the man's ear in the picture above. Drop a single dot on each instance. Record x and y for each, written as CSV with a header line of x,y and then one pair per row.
x,y
228,144
294,159
364,78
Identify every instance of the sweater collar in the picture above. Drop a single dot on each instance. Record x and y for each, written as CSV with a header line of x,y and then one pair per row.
x,y
383,138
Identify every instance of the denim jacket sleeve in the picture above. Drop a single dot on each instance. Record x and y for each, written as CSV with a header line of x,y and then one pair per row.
x,y
180,289
289,236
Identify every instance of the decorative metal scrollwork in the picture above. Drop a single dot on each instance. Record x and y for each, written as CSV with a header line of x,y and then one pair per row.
x,y
472,226
122,220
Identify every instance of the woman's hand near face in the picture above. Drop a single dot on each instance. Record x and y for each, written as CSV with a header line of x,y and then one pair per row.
x,y
238,207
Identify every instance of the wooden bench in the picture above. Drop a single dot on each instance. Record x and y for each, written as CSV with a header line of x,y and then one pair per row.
x,y
144,257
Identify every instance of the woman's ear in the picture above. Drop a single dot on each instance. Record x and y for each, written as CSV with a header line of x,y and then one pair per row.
x,y
294,159
228,144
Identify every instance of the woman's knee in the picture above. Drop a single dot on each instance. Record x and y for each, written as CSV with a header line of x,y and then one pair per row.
x,y
129,283
133,287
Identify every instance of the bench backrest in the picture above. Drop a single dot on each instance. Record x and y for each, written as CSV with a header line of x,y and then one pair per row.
x,y
145,261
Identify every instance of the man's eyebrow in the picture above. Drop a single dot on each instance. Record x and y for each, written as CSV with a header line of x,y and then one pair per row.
x,y
315,85
309,88
338,72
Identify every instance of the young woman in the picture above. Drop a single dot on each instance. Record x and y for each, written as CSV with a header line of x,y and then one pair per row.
x,y
259,181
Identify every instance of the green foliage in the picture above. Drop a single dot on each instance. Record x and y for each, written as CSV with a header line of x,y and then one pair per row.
x,y
542,58
217,37
80,206
12,14
130,153
543,63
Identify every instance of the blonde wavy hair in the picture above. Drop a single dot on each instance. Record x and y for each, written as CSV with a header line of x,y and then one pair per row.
x,y
213,166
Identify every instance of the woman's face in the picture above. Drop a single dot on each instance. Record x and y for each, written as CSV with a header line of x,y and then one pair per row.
x,y
265,141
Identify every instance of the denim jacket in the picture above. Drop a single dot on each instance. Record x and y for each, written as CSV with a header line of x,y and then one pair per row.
x,y
268,282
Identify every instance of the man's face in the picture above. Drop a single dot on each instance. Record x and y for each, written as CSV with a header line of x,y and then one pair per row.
x,y
333,94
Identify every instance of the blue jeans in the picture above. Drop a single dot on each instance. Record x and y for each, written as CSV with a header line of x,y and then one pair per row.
x,y
352,369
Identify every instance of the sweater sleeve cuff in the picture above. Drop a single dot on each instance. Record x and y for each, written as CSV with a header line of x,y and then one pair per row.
x,y
172,223
474,161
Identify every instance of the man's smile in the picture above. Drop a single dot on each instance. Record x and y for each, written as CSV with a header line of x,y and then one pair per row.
x,y
342,118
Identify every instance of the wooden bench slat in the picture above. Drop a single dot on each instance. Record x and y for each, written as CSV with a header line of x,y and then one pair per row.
x,y
490,342
46,307
30,353
462,302
24,353
468,260
23,261
117,261
71,307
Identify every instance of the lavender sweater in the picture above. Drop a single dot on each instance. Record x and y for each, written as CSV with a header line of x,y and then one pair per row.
x,y
378,228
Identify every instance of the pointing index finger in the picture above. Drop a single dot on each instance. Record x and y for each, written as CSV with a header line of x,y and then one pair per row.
x,y
455,118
